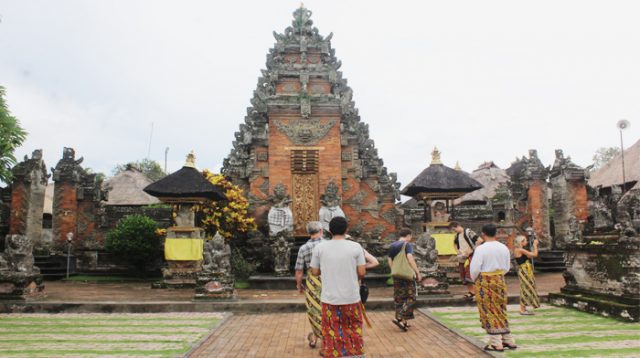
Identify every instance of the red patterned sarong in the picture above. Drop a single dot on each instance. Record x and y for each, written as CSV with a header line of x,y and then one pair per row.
x,y
342,330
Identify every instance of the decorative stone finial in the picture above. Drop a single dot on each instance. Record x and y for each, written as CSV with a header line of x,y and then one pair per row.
x,y
435,157
457,167
191,160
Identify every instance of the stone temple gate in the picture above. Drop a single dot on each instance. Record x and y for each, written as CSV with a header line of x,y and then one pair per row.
x,y
304,133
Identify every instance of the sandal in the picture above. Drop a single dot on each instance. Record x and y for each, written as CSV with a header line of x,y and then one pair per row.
x,y
468,296
399,324
527,313
492,348
406,325
509,345
313,340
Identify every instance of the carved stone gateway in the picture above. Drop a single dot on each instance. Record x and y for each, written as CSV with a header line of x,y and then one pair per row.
x,y
303,131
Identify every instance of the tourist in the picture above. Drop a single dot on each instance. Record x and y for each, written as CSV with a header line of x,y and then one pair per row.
x,y
341,263
313,285
491,261
465,242
528,293
404,288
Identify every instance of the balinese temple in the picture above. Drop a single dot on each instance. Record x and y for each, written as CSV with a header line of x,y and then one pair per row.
x,y
303,136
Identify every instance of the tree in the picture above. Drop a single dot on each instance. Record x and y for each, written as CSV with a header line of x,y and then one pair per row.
x,y
148,167
604,155
227,217
136,240
11,137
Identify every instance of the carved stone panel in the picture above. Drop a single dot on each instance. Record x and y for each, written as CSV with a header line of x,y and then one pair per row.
x,y
304,132
305,201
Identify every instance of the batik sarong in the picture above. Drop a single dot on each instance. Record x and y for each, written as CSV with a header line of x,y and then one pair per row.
x,y
342,330
314,306
404,298
528,293
491,297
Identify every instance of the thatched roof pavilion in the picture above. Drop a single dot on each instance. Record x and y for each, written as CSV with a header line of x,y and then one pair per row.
x,y
491,177
127,188
186,185
610,174
440,182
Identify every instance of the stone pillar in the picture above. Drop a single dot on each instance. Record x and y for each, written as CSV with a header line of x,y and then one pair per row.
x,y
27,197
569,199
90,215
66,176
19,278
535,175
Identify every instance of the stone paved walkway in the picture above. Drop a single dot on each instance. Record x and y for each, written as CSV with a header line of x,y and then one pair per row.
x,y
283,335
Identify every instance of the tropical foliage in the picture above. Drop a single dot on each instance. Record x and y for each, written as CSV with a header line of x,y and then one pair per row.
x,y
148,167
604,155
136,240
11,137
227,217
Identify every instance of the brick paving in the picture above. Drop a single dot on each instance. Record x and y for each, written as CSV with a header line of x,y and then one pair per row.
x,y
284,335
63,291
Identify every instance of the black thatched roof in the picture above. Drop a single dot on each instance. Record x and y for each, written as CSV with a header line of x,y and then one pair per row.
x,y
187,182
438,178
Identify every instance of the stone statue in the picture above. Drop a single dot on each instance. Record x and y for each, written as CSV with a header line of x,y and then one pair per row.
x,y
217,254
18,253
280,217
330,209
281,254
426,254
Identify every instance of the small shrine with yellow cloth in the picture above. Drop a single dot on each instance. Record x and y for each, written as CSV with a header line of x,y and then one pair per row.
x,y
436,187
183,246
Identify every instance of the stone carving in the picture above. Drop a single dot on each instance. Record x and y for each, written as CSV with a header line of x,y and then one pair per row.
x,y
330,205
217,254
305,205
305,132
19,255
280,217
282,254
426,254
19,278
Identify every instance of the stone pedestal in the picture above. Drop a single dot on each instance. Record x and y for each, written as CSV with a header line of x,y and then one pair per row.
x,y
19,279
20,285
434,280
182,273
603,278
214,286
433,283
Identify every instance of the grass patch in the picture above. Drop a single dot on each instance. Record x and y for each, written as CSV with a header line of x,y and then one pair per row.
x,y
134,336
550,321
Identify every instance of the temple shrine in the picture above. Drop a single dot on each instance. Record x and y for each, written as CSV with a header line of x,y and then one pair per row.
x,y
303,146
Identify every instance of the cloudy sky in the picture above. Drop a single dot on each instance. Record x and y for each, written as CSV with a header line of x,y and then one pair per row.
x,y
482,80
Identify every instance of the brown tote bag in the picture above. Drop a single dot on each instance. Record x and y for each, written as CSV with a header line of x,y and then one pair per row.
x,y
400,267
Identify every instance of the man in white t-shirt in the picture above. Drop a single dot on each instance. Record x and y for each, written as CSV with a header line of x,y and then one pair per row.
x,y
491,261
341,263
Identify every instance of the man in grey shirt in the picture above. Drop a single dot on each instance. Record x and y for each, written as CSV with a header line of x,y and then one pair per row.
x,y
341,263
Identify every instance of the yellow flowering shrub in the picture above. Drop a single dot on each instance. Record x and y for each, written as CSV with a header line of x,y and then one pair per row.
x,y
227,218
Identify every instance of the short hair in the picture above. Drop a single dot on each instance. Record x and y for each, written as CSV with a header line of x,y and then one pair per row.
x,y
453,224
338,225
404,232
314,227
489,229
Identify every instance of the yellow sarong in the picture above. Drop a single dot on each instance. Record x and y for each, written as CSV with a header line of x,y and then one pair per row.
x,y
491,298
314,306
183,249
528,293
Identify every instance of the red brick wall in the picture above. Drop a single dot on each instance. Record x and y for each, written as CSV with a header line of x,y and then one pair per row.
x,y
65,220
19,204
578,192
538,209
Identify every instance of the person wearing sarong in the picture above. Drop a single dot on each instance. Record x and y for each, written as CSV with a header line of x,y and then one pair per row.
x,y
528,293
313,285
341,263
404,291
491,261
464,242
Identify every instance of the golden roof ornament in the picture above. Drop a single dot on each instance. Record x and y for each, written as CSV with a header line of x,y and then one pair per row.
x,y
191,160
435,157
457,167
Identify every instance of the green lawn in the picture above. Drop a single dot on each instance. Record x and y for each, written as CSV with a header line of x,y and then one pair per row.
x,y
94,335
554,332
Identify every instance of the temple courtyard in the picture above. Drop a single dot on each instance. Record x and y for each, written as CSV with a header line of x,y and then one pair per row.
x,y
102,318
